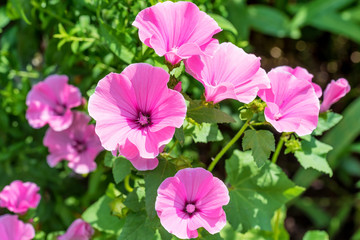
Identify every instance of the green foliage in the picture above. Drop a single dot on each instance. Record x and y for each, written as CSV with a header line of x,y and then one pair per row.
x,y
313,155
204,132
207,114
316,235
137,227
121,168
100,217
255,193
261,143
136,199
326,121
153,179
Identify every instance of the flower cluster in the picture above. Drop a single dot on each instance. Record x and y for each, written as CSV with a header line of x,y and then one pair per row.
x,y
69,136
19,197
137,112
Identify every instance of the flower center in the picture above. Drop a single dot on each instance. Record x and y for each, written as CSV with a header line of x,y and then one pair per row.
x,y
79,146
277,116
60,109
143,119
190,208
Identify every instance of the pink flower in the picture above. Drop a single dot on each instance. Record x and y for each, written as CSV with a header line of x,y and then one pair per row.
x,y
193,198
13,229
50,102
292,105
78,144
302,73
136,113
333,92
230,73
19,196
177,30
78,230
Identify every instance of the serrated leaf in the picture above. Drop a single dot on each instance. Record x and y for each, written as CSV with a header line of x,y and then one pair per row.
x,y
136,199
201,113
327,121
99,216
261,143
316,235
122,167
206,132
153,179
313,155
255,193
136,227
224,23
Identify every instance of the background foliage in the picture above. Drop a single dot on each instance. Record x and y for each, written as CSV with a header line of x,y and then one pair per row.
x,y
87,39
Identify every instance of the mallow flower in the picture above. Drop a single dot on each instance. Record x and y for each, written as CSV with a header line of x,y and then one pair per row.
x,y
192,199
302,73
292,105
78,144
19,196
11,228
177,30
136,113
334,91
230,73
78,230
50,102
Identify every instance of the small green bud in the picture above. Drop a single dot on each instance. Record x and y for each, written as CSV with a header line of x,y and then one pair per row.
x,y
246,114
118,207
292,145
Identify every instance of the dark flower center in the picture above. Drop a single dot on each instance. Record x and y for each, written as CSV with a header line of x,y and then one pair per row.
x,y
143,119
79,146
190,208
60,109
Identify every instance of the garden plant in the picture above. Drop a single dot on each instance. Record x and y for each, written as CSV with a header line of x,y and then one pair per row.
x,y
166,120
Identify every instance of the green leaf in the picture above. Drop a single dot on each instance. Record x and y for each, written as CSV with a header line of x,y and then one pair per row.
x,y
206,132
4,20
116,46
327,121
278,230
224,23
205,235
20,6
99,216
340,138
269,20
337,24
316,235
136,227
122,168
261,143
201,113
313,155
179,135
109,159
136,199
317,8
153,179
255,193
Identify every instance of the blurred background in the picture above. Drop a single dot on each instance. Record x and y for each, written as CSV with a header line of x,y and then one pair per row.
x,y
87,39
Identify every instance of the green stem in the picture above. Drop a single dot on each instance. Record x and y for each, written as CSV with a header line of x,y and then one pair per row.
x,y
278,148
127,184
232,141
276,227
61,19
173,146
